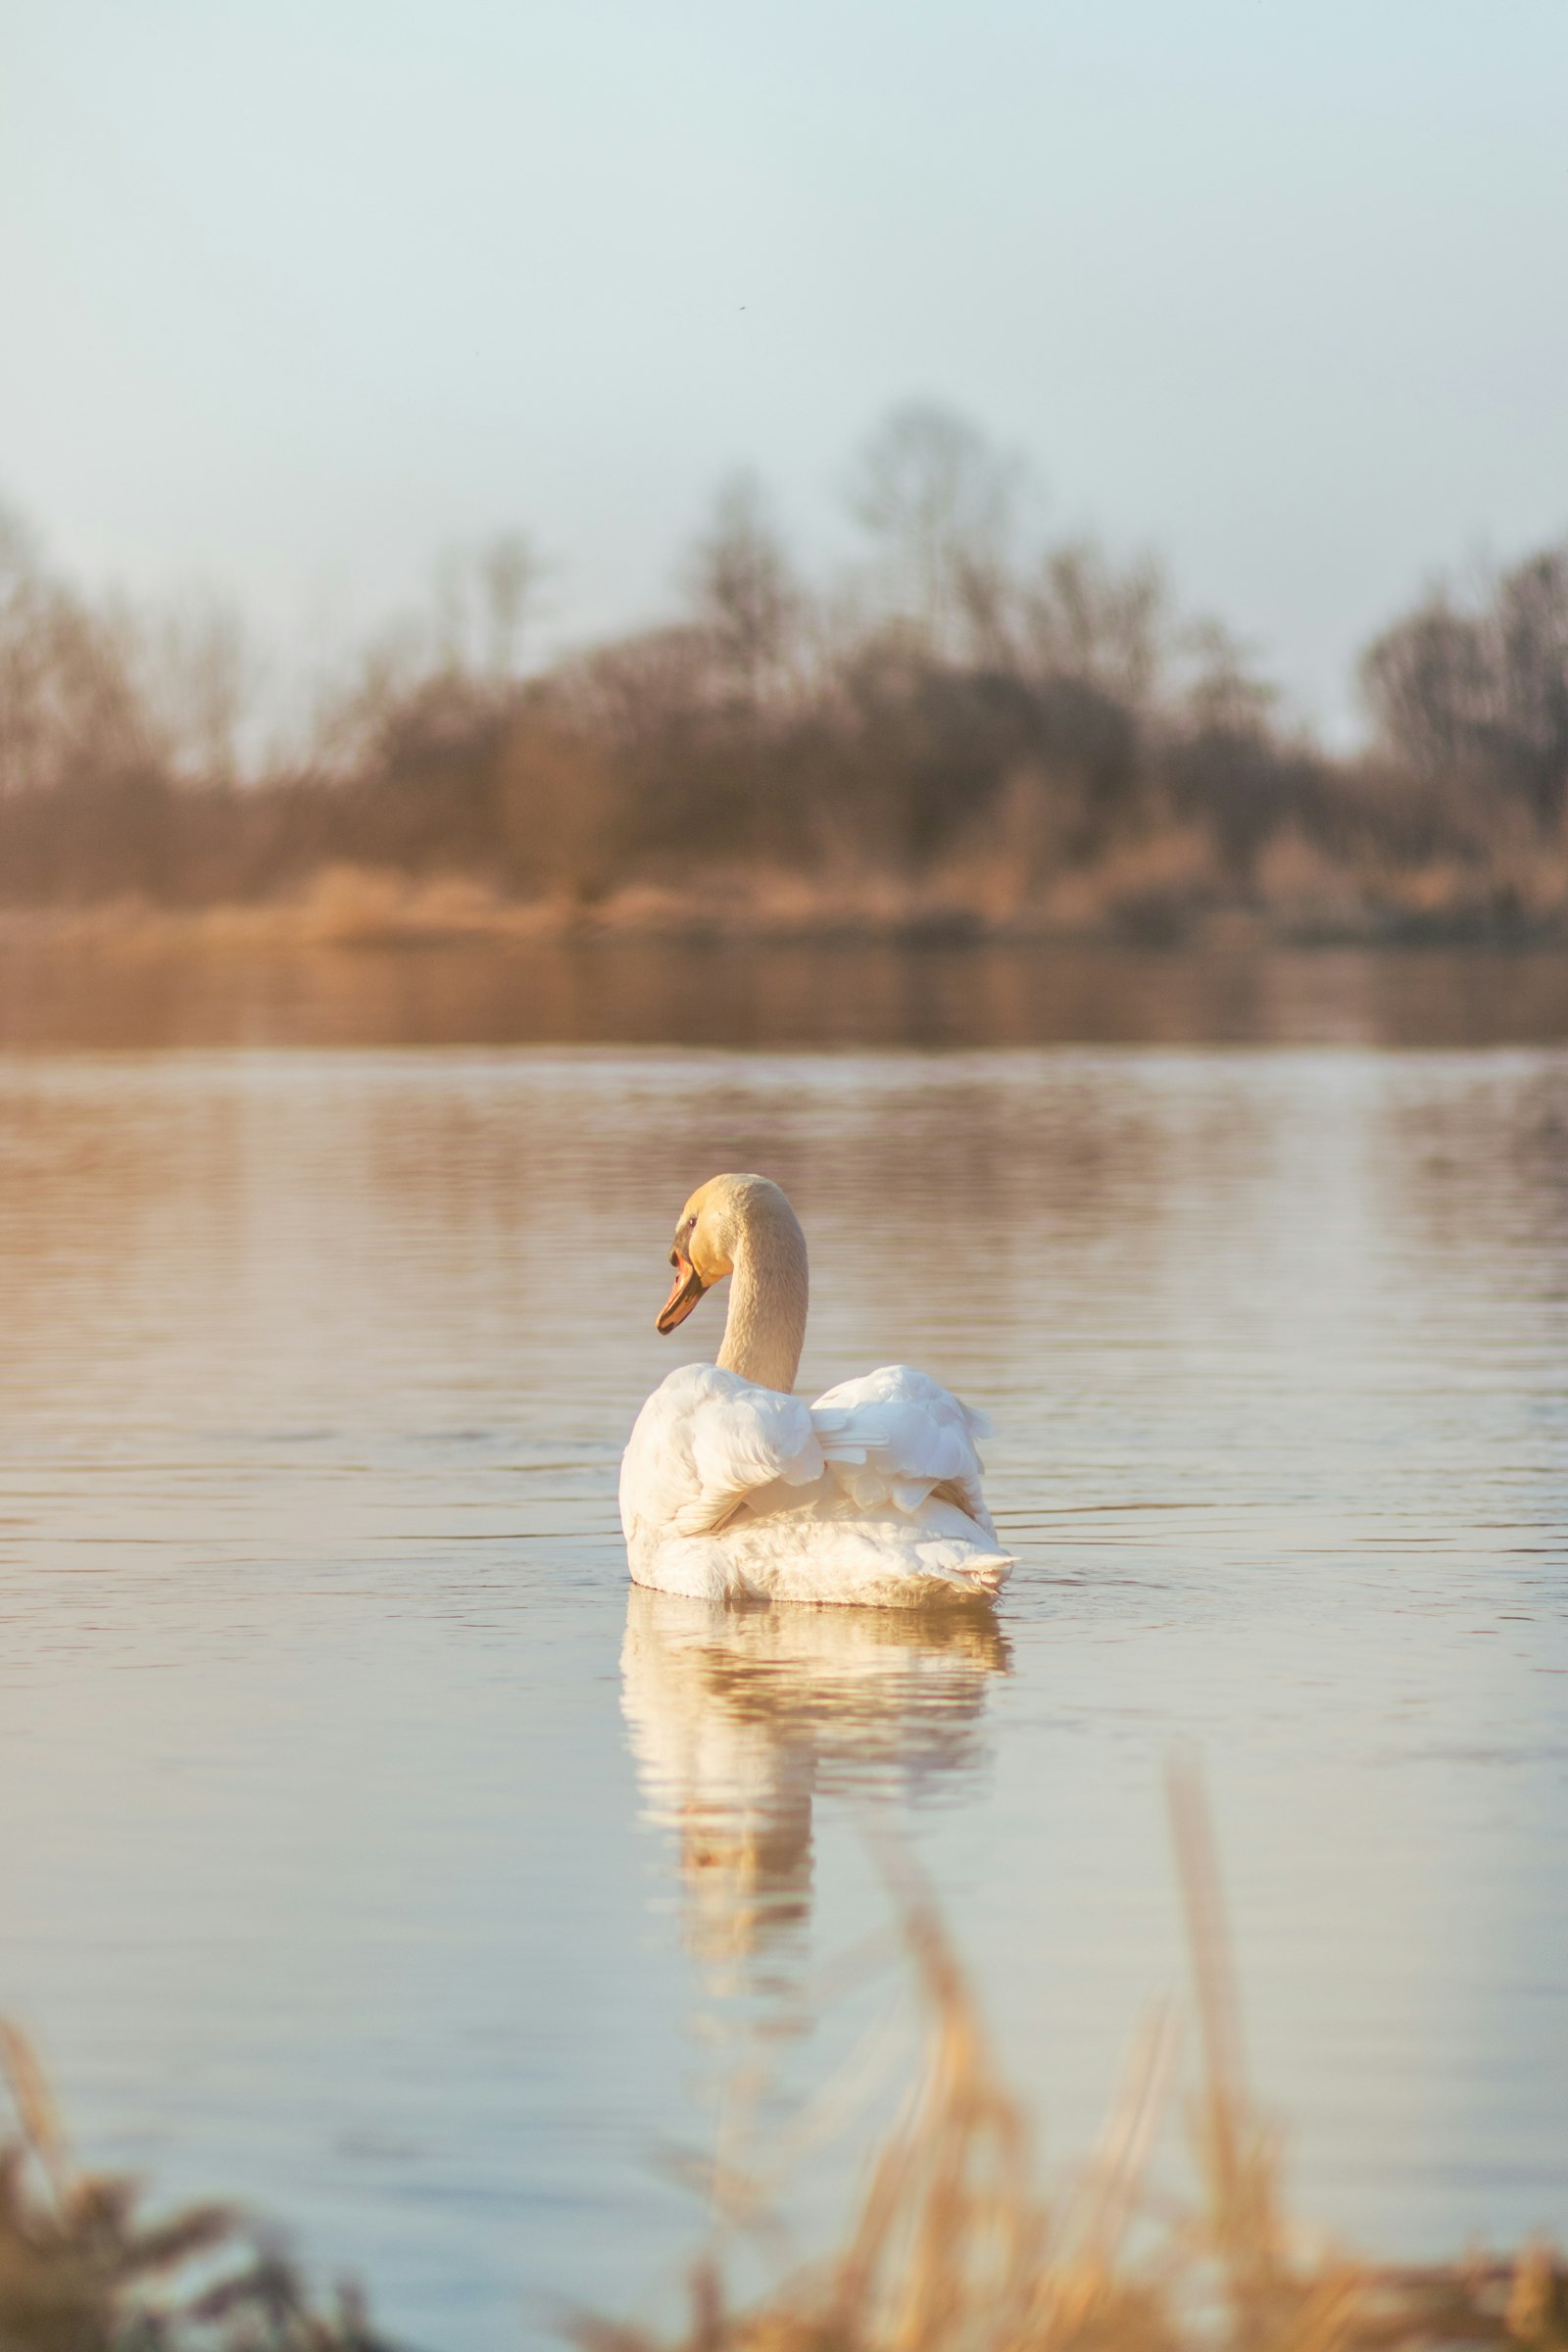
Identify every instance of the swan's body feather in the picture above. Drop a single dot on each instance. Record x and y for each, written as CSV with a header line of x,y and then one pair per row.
x,y
893,1435
731,1490
705,1443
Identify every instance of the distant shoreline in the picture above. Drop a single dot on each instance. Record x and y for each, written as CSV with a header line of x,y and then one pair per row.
x,y
355,907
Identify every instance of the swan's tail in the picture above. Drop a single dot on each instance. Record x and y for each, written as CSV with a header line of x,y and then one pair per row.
x,y
989,1571
967,1567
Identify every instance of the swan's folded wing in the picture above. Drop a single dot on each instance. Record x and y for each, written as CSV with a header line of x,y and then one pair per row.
x,y
705,1442
896,1437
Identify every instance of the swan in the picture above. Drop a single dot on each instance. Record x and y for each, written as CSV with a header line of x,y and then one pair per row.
x,y
734,1488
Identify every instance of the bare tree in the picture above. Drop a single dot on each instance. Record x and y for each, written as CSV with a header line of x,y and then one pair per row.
x,y
941,505
509,572
1482,692
483,600
1224,694
1107,628
199,674
70,711
1530,639
745,592
1425,681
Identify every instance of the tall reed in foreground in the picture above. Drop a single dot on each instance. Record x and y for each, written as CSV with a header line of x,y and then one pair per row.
x,y
953,2249
80,2271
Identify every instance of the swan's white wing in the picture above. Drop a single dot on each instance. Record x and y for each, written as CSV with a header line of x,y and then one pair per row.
x,y
704,1442
895,1436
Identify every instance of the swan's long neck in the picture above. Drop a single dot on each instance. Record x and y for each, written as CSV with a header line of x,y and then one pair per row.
x,y
769,1290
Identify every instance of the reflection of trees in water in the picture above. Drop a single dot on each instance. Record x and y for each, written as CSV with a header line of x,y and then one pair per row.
x,y
629,990
115,1185
740,1719
1477,1156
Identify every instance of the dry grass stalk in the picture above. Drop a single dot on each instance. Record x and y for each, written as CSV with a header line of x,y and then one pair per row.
x,y
952,2250
81,2271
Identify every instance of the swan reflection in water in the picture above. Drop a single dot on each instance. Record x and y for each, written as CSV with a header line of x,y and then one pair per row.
x,y
739,1719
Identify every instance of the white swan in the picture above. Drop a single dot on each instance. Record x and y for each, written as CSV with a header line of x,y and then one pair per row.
x,y
733,1489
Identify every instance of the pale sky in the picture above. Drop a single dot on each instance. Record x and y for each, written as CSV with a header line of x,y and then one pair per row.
x,y
299,295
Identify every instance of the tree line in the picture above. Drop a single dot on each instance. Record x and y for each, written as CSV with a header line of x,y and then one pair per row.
x,y
1032,727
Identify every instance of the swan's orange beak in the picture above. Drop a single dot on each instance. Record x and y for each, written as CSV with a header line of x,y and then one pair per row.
x,y
689,1288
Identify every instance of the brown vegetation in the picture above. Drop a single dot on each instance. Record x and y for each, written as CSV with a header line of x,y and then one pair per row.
x,y
965,736
81,2272
953,2250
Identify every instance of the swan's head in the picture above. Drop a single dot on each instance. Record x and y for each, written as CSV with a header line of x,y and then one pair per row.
x,y
717,1222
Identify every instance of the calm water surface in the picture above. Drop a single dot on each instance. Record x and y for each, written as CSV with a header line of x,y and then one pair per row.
x,y
367,1851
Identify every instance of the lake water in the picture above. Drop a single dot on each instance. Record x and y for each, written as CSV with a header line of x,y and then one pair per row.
x,y
369,1852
